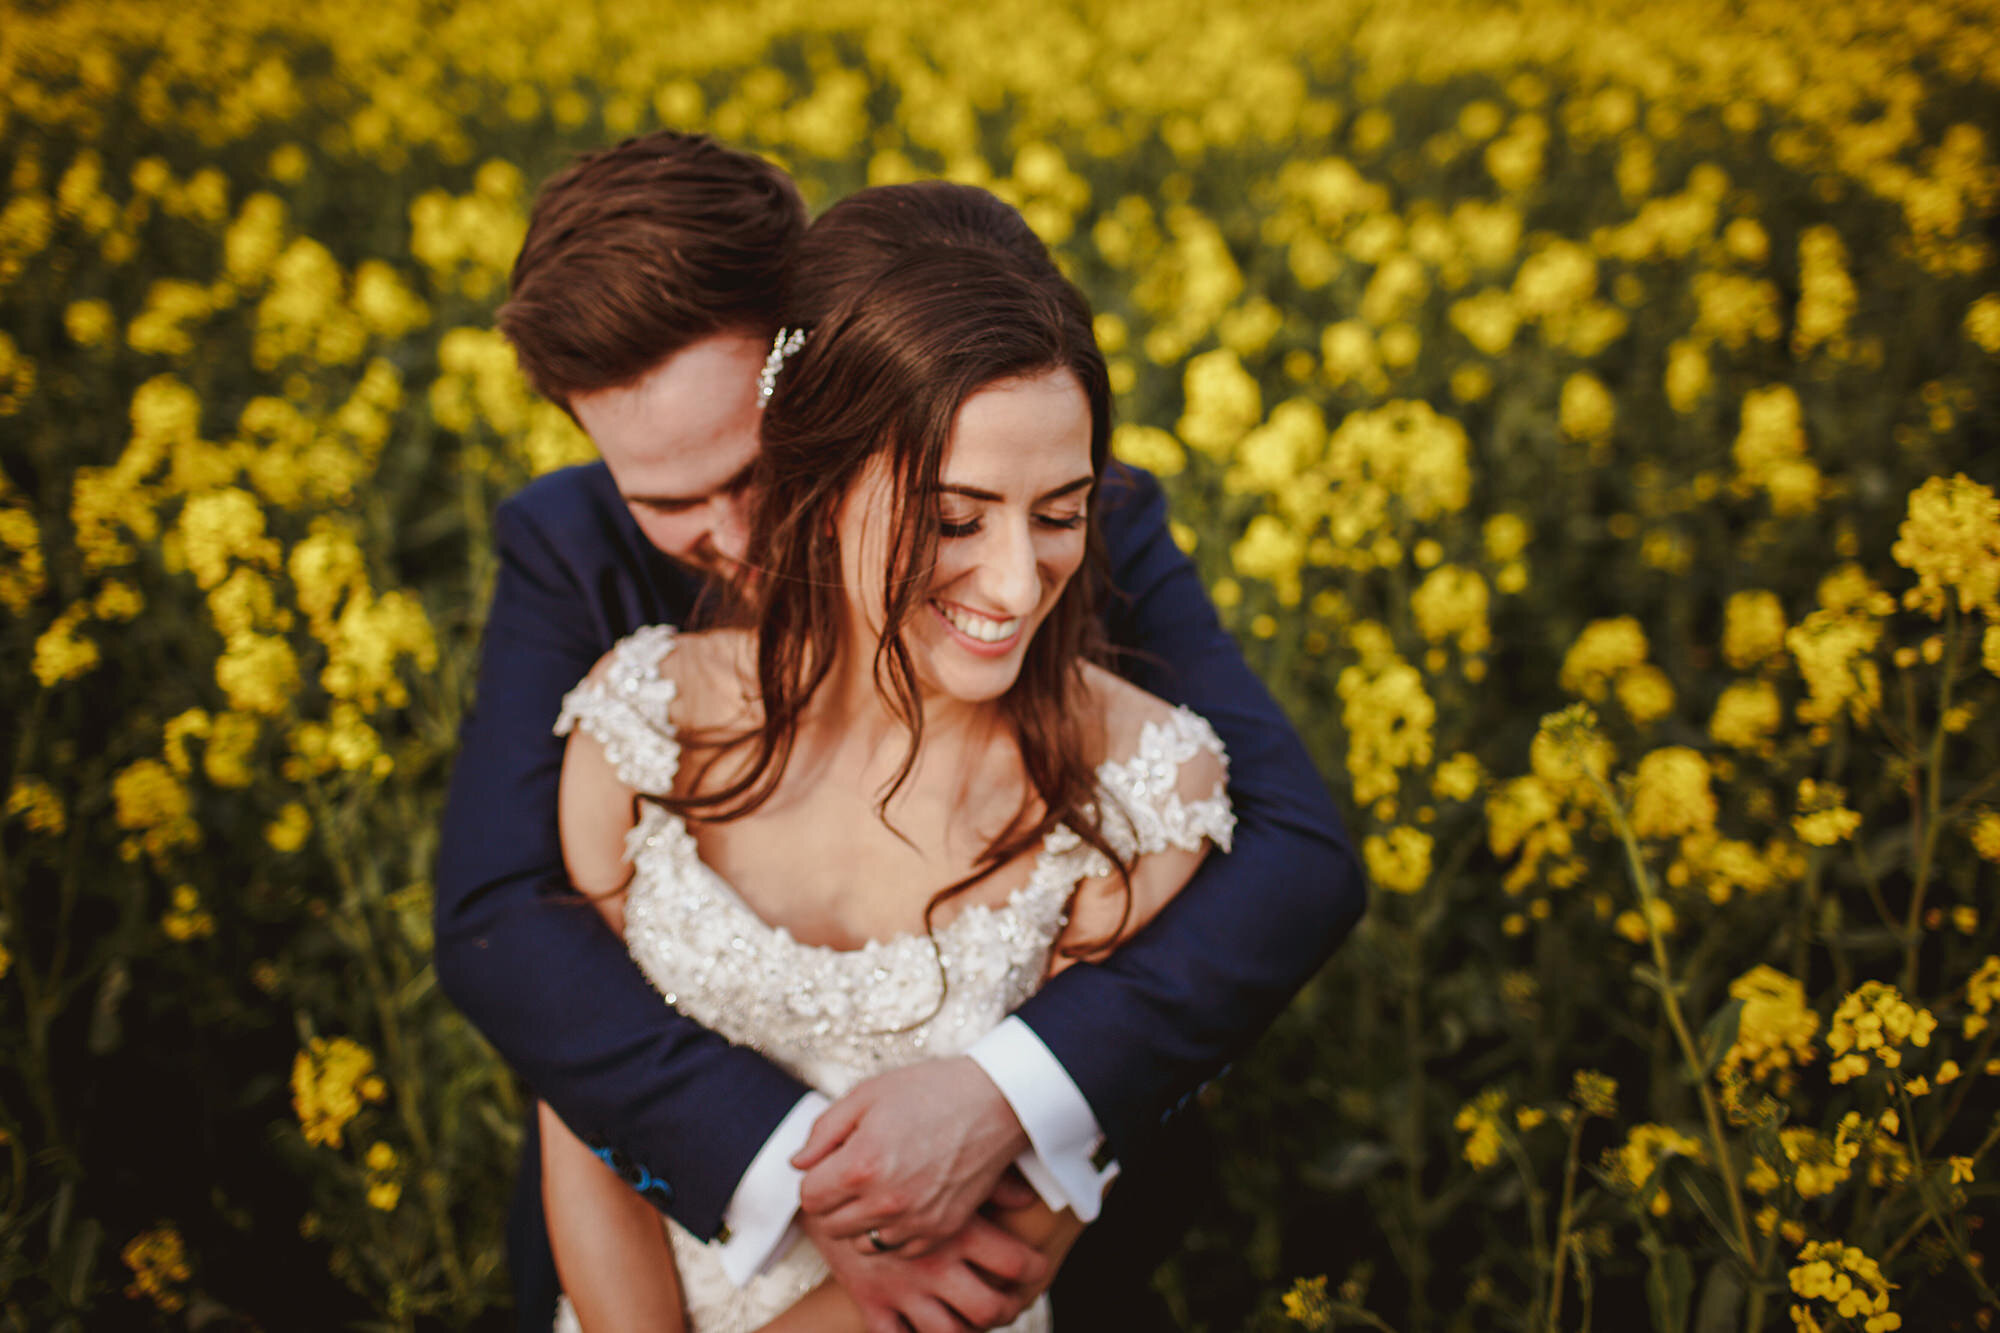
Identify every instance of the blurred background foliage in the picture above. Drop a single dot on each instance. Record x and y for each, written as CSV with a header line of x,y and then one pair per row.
x,y
1584,413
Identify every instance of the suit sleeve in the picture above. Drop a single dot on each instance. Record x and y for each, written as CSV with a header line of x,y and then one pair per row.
x,y
1140,1029
528,960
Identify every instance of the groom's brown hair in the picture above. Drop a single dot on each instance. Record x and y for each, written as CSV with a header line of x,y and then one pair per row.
x,y
634,252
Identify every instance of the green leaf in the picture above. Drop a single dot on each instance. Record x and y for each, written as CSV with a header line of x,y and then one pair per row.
x,y
1348,1165
1719,1035
105,1029
1721,1299
1669,1286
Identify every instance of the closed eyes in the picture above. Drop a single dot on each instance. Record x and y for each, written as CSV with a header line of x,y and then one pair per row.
x,y
1053,522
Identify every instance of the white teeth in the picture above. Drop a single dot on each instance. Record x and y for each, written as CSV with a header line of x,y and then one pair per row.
x,y
978,627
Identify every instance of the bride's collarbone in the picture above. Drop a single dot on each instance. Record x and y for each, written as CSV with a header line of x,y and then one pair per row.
x,y
822,862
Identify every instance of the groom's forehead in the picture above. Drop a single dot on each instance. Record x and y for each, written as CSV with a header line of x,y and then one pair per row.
x,y
684,428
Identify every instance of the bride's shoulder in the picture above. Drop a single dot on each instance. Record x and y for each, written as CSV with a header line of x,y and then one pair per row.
x,y
1135,723
706,675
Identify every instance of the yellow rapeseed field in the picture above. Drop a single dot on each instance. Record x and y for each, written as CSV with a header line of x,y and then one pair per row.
x,y
1585,414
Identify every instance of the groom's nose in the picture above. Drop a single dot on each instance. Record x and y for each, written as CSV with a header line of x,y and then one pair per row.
x,y
729,525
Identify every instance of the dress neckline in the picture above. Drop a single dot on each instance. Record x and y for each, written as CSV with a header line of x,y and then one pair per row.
x,y
686,855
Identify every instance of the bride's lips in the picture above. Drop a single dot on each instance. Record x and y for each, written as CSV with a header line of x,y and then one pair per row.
x,y
979,647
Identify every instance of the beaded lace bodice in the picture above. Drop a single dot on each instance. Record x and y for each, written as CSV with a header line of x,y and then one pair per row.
x,y
834,1017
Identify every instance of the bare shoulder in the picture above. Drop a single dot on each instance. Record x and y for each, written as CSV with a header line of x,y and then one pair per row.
x,y
713,672
1127,711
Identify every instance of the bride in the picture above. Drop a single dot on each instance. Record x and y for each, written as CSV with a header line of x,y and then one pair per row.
x,y
860,830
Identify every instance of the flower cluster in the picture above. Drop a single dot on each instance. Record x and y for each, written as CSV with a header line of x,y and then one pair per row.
x,y
1841,1280
1874,1021
331,1078
159,1264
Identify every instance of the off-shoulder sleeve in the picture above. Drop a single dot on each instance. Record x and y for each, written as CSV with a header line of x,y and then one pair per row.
x,y
626,705
1151,808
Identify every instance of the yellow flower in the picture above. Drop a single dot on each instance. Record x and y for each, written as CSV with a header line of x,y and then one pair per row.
x,y
1399,862
1818,1164
63,654
1223,403
1826,292
1657,919
287,833
1479,1121
1458,778
1587,411
1951,541
1594,1093
385,1195
331,1078
1388,716
1770,451
1306,1303
40,805
1487,320
1670,794
259,673
1148,447
1604,649
1746,716
1688,377
1753,629
1982,322
186,921
1645,693
1985,834
221,527
1823,818
1874,1020
154,805
1846,1282
158,1260
1632,1166
1273,551
1982,991
1451,603
1961,1170
1774,1028
89,322
1832,650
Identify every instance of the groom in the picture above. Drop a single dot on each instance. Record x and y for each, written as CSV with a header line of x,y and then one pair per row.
x,y
643,302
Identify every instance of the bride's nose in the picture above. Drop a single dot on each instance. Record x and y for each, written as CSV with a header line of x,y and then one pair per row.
x,y
1010,572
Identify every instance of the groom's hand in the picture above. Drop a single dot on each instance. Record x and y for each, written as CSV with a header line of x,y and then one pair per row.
x,y
909,1155
982,1277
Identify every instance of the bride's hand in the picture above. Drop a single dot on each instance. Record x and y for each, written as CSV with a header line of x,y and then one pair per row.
x,y
909,1155
983,1277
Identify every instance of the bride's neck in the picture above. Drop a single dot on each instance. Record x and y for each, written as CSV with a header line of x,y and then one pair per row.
x,y
850,712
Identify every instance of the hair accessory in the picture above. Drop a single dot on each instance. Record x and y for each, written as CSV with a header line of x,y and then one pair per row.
x,y
786,342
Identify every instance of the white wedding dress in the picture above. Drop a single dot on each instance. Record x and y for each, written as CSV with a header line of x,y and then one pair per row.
x,y
834,1017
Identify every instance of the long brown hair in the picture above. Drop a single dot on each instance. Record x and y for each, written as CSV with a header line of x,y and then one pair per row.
x,y
913,298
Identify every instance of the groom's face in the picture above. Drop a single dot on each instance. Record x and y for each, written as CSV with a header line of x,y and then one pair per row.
x,y
680,442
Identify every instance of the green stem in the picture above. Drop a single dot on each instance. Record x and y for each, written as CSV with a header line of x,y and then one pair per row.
x,y
1413,1131
1635,859
1563,1215
1967,1074
1950,1234
1929,822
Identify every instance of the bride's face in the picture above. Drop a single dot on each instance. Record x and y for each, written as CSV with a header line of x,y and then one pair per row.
x,y
1014,490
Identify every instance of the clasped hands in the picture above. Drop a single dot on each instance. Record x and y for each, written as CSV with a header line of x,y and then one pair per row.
x,y
902,1176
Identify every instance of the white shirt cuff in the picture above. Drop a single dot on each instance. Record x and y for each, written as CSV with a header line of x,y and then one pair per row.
x,y
763,1214
1062,1130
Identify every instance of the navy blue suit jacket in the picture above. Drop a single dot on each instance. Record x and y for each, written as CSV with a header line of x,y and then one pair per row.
x,y
555,992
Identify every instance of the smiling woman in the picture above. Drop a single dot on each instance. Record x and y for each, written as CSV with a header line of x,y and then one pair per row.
x,y
910,797
1011,525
